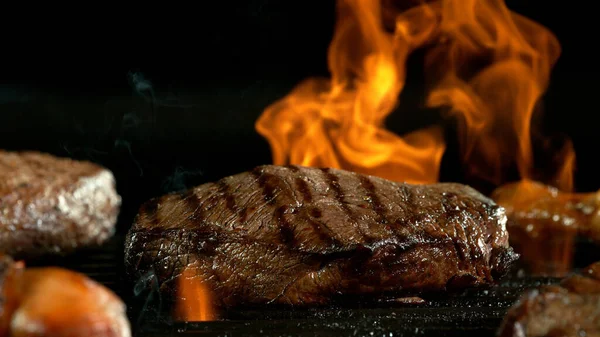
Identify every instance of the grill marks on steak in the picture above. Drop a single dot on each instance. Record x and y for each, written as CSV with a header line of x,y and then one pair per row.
x,y
53,205
297,235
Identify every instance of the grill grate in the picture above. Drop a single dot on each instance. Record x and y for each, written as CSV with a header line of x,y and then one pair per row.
x,y
103,264
473,312
478,312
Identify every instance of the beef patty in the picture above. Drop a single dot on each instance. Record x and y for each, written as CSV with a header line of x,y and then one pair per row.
x,y
52,205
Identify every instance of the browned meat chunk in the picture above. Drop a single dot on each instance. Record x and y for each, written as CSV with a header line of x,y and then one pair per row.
x,y
543,223
54,302
297,235
53,205
569,309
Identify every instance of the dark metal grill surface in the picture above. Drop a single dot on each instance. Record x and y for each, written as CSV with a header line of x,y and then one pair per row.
x,y
476,312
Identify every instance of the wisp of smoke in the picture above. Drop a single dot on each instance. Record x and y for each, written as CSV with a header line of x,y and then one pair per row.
x,y
121,143
147,285
180,180
143,87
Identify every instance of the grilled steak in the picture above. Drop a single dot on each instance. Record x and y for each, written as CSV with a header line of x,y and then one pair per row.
x,y
569,309
297,235
53,205
57,302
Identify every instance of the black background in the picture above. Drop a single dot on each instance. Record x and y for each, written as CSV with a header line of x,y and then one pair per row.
x,y
67,85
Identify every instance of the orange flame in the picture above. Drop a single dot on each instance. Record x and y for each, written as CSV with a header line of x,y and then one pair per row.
x,y
339,122
195,299
497,101
486,64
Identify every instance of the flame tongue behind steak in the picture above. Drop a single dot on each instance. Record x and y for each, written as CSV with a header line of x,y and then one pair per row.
x,y
484,64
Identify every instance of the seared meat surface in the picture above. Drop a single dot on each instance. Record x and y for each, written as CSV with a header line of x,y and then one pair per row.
x,y
53,205
544,223
569,309
535,205
54,302
299,236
